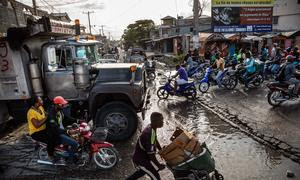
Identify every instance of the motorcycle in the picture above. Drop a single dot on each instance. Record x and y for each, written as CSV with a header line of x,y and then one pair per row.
x,y
271,69
208,80
197,71
188,90
199,167
280,92
94,151
236,76
150,70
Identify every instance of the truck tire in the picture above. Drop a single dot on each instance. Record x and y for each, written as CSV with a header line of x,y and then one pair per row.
x,y
120,119
18,110
4,116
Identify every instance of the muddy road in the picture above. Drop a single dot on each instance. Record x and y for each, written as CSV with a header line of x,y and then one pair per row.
x,y
238,156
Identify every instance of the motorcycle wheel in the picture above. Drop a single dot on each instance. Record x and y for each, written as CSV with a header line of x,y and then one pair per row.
x,y
106,158
231,82
191,93
272,96
258,80
43,154
162,93
152,76
199,75
203,87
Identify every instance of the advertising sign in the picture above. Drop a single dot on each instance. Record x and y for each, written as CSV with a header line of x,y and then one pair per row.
x,y
231,16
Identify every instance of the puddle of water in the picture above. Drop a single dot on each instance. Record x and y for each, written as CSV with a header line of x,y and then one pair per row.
x,y
237,156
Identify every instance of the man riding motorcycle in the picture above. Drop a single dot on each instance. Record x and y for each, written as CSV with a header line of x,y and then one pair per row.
x,y
291,73
55,124
183,77
220,64
250,69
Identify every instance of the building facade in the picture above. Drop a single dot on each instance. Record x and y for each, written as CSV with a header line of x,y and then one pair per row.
x,y
174,35
286,15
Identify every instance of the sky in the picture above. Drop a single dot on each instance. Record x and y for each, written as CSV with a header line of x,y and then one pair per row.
x,y
115,15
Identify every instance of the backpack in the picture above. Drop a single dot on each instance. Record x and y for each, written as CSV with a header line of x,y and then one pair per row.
x,y
281,75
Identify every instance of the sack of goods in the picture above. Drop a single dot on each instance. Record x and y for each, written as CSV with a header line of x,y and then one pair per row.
x,y
183,147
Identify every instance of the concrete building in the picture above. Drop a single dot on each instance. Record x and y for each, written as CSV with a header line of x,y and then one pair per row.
x,y
286,15
174,35
15,14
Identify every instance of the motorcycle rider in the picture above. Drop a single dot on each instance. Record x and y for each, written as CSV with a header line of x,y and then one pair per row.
x,y
250,69
55,124
145,150
290,75
220,64
183,77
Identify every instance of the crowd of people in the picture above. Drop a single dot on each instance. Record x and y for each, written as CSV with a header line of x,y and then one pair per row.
x,y
274,59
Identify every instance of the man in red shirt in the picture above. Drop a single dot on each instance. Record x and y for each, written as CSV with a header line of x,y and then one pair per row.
x,y
144,155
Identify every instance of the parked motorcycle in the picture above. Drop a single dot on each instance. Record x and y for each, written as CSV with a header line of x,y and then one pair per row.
x,y
236,76
197,71
93,149
280,92
208,80
188,90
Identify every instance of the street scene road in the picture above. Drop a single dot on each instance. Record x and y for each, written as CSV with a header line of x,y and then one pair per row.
x,y
171,90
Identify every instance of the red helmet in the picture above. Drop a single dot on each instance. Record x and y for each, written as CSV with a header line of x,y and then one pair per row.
x,y
60,100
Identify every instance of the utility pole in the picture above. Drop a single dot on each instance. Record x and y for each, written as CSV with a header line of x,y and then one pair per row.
x,y
34,8
102,30
88,13
196,16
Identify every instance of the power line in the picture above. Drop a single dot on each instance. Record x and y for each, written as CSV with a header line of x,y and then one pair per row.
x,y
52,7
125,11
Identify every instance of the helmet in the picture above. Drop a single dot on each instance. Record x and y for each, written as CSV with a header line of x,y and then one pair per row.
x,y
60,100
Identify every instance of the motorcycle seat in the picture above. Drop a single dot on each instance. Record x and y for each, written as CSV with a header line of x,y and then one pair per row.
x,y
280,84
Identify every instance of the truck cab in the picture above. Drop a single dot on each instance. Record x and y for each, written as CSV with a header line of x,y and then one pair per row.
x,y
112,94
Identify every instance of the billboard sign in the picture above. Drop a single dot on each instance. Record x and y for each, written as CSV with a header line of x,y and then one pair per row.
x,y
231,16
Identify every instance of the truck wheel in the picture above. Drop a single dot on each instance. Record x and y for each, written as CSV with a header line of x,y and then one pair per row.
x,y
120,119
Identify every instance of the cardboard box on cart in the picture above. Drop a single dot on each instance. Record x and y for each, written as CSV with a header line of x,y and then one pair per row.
x,y
180,149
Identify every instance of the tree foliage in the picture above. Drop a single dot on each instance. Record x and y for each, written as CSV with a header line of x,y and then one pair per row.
x,y
136,33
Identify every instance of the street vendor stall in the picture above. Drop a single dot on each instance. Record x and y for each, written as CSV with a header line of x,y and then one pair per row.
x,y
213,42
254,43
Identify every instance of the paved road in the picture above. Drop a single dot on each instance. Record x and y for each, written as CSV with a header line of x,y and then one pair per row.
x,y
281,122
237,156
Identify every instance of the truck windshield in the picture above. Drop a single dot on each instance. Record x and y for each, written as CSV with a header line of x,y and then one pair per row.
x,y
88,51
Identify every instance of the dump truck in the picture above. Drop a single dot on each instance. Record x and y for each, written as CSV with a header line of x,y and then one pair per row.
x,y
40,60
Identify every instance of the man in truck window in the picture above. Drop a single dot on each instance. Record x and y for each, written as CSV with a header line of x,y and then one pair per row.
x,y
145,150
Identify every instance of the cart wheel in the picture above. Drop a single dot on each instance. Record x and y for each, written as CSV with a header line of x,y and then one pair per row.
x,y
218,176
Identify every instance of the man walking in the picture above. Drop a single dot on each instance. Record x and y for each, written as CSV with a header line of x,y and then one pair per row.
x,y
144,155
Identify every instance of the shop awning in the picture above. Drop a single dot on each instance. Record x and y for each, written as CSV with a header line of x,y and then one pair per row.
x,y
252,38
290,34
210,37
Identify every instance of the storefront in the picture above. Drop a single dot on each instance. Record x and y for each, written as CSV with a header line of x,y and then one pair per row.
x,y
213,42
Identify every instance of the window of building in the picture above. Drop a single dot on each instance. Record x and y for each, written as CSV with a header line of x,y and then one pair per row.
x,y
191,29
275,19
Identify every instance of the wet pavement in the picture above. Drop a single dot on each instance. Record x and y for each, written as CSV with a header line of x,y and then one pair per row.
x,y
281,122
238,156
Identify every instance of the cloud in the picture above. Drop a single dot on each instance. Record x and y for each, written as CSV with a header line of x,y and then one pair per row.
x,y
90,5
67,2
